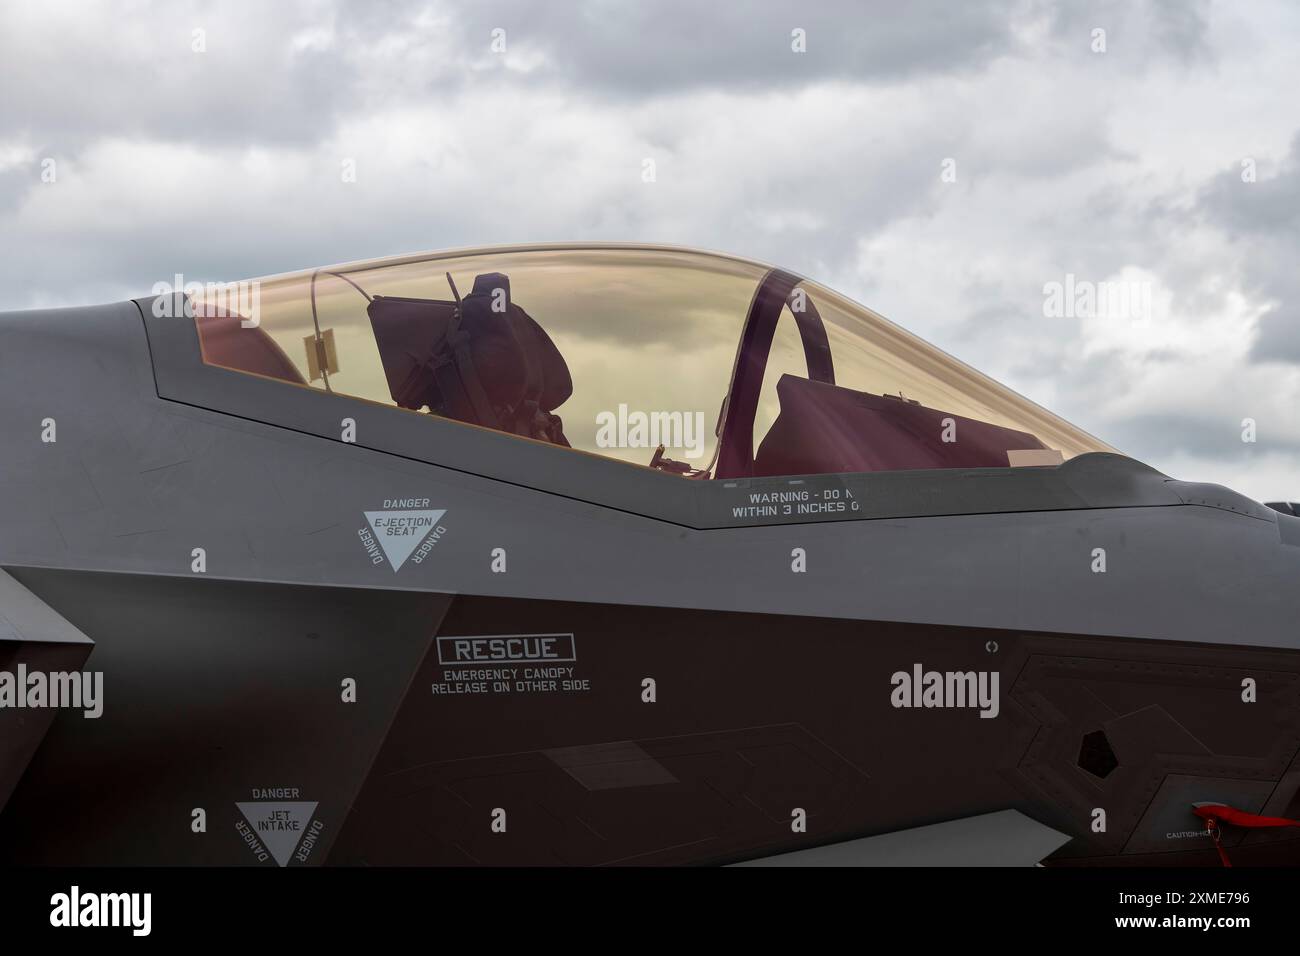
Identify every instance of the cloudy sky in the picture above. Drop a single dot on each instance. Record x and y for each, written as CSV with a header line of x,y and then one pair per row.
x,y
942,163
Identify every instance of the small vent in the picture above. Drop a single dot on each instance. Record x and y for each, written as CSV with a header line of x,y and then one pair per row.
x,y
1095,755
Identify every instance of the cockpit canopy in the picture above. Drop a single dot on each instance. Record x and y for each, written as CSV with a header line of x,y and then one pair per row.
x,y
694,364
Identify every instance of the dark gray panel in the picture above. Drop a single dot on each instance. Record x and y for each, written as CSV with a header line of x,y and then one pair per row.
x,y
211,689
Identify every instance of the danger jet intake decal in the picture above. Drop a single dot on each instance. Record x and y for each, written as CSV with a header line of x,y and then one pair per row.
x,y
406,529
278,824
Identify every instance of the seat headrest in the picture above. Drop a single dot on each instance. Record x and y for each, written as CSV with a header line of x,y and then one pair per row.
x,y
515,358
489,282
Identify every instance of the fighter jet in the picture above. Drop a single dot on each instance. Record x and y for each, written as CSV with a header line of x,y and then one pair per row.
x,y
608,554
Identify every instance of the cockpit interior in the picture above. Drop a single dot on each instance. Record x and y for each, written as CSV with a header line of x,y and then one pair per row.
x,y
692,364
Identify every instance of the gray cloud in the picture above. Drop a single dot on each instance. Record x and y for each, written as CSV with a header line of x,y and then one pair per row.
x,y
287,72
1136,33
674,44
1263,219
76,73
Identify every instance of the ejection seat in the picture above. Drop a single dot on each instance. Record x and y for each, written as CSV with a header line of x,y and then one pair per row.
x,y
482,360
827,429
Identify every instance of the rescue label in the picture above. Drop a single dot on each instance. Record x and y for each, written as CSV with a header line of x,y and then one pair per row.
x,y
509,647
509,664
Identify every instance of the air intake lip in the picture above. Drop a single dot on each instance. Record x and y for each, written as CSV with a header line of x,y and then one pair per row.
x,y
1096,756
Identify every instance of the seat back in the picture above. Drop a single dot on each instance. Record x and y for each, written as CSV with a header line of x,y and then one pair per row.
x,y
827,429
516,360
408,334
